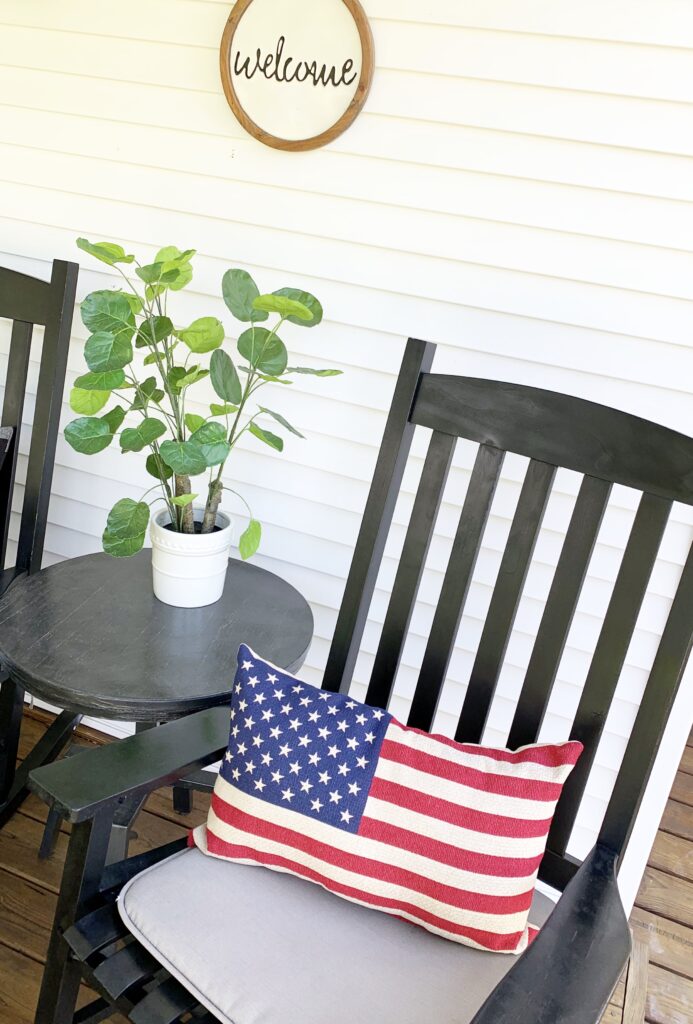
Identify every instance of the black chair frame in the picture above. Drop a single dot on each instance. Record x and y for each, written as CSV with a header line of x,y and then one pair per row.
x,y
30,302
555,981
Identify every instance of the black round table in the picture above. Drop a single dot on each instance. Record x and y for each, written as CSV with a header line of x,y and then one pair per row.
x,y
88,635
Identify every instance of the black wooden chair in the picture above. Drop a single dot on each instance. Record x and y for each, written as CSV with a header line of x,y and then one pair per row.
x,y
230,913
30,302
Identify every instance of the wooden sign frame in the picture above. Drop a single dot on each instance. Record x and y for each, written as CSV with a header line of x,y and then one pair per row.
x,y
349,115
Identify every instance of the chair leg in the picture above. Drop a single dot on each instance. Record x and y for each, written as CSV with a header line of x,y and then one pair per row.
x,y
84,865
182,799
11,708
50,834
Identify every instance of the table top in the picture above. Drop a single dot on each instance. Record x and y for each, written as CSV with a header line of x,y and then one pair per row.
x,y
88,635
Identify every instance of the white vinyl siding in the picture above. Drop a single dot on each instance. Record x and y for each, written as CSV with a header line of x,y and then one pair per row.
x,y
519,189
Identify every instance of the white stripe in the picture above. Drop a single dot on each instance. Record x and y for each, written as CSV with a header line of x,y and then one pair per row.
x,y
529,770
464,796
453,835
372,849
502,924
200,836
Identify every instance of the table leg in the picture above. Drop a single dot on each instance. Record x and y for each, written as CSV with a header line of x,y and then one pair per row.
x,y
14,782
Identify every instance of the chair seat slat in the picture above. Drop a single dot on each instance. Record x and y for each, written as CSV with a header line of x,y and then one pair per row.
x,y
163,1005
410,569
559,610
610,654
505,599
458,576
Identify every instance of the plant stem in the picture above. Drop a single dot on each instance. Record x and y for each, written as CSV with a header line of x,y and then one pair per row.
x,y
187,520
213,499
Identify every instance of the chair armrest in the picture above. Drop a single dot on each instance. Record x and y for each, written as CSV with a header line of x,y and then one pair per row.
x,y
79,787
569,972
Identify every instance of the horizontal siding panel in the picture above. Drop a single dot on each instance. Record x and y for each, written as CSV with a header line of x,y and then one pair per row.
x,y
477,196
485,244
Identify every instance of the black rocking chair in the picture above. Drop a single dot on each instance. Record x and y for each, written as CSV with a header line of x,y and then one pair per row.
x,y
254,917
30,302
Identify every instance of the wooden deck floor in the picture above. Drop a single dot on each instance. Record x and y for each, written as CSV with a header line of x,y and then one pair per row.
x,y
663,916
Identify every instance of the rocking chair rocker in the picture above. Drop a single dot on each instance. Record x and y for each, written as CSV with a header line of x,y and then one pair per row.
x,y
236,933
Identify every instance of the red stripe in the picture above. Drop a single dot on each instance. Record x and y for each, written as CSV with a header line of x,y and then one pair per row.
x,y
454,814
490,940
502,785
480,902
446,853
552,755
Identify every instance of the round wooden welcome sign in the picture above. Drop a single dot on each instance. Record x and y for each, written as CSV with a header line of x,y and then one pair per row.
x,y
296,72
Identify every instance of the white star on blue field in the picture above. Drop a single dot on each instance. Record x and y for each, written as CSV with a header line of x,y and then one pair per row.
x,y
300,747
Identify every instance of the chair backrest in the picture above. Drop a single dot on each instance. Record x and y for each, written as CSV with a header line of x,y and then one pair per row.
x,y
29,302
607,447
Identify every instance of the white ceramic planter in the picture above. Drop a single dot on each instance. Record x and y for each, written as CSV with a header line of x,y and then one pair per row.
x,y
189,569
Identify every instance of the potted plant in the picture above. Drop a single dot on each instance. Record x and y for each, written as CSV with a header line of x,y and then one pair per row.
x,y
136,355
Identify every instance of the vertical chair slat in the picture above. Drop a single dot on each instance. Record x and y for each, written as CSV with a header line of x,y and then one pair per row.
x,y
44,434
559,610
458,576
410,569
505,599
377,517
609,655
653,714
12,411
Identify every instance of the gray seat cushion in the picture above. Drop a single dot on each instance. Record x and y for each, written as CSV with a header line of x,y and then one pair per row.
x,y
260,947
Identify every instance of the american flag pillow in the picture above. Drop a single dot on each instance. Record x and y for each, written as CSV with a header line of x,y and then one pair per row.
x,y
446,835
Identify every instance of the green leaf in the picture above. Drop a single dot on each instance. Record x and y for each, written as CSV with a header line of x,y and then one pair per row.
x,y
134,439
153,291
263,350
110,312
280,419
126,528
193,422
184,457
183,499
267,436
305,299
222,410
284,306
211,440
157,468
88,402
151,359
153,330
154,274
114,418
134,301
104,351
107,252
101,381
224,377
314,373
203,335
250,539
194,374
174,376
184,274
88,435
147,392
239,292
172,254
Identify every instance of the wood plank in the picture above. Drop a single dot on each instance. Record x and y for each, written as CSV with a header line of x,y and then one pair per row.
x,y
678,819
687,760
19,843
669,998
636,985
666,895
612,1015
26,915
673,855
682,790
20,978
670,944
